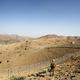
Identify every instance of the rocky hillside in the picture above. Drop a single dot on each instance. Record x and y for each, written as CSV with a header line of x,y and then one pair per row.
x,y
18,57
69,70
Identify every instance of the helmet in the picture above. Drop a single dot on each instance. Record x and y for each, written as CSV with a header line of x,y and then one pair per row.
x,y
53,60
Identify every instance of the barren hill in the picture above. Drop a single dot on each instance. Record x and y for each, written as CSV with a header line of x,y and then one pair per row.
x,y
22,54
8,39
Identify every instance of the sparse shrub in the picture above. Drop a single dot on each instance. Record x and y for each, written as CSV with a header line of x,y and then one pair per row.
x,y
0,62
8,61
25,48
17,78
26,41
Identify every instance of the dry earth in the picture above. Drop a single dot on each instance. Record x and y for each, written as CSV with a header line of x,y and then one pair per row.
x,y
34,55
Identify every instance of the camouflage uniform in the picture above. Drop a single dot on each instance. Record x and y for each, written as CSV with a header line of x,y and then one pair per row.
x,y
52,67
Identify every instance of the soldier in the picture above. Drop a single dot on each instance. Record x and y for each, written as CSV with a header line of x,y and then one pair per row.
x,y
52,67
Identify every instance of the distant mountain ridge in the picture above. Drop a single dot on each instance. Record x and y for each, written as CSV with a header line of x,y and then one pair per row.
x,y
59,36
6,38
13,38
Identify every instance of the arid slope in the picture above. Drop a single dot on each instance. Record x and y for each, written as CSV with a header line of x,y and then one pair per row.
x,y
37,50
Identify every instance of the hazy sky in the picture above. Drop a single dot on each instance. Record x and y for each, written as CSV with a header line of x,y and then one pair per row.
x,y
40,17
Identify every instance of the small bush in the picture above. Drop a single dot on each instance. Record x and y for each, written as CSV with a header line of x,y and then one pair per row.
x,y
17,78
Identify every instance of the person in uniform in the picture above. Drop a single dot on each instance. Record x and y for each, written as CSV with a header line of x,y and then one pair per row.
x,y
52,67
